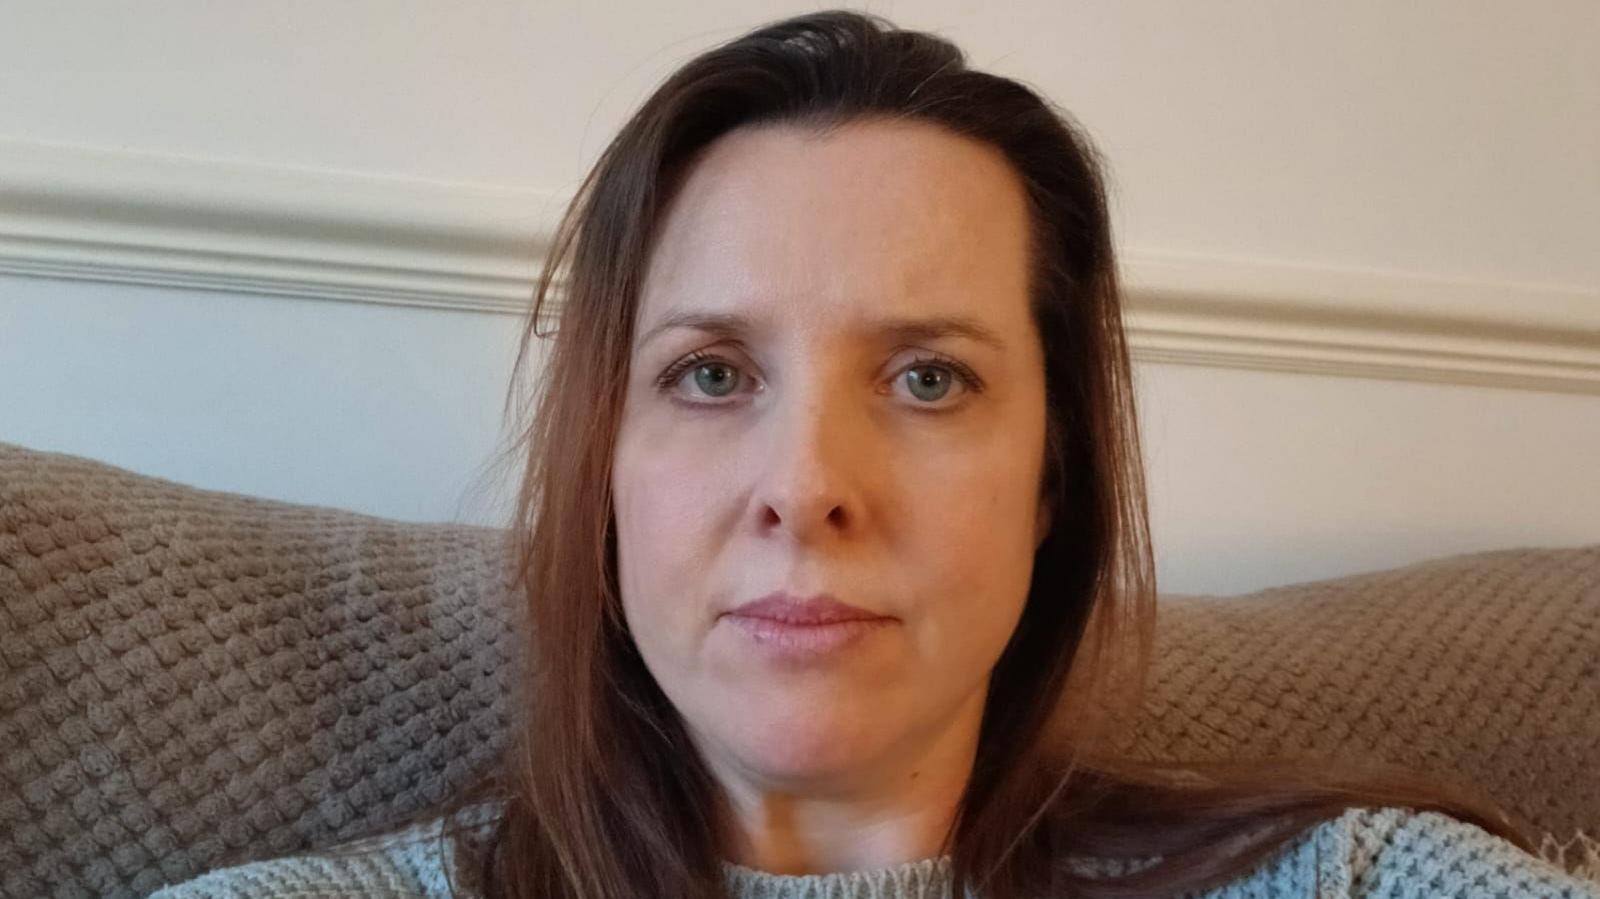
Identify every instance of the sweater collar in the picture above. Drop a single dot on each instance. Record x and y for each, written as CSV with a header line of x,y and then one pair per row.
x,y
927,878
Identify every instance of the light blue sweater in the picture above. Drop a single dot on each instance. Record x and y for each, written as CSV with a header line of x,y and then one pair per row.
x,y
1372,853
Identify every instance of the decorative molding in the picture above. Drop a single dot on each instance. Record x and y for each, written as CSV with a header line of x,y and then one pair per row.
x,y
135,218
1210,311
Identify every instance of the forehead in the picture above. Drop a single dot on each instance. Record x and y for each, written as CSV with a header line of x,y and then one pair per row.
x,y
873,218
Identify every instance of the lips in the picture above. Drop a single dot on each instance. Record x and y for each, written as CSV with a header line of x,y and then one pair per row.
x,y
792,631
816,610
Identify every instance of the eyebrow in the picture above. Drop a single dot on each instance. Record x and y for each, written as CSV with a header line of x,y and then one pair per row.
x,y
732,324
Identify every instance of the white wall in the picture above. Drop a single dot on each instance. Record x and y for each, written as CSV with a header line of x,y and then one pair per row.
x,y
1438,158
385,410
1260,479
1456,137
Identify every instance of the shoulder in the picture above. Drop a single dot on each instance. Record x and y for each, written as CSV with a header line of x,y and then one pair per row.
x,y
1392,852
413,863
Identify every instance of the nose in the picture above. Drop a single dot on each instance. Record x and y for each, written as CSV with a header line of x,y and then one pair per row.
x,y
816,450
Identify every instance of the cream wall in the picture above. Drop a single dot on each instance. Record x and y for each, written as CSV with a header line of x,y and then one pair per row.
x,y
278,248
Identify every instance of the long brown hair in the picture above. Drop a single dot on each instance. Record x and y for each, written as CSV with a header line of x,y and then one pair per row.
x,y
604,795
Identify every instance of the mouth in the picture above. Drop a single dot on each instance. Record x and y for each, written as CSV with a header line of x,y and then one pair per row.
x,y
796,630
796,642
818,610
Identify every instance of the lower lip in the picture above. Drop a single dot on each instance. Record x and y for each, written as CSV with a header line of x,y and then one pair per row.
x,y
806,641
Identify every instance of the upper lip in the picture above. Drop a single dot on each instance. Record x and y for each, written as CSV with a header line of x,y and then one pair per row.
x,y
791,609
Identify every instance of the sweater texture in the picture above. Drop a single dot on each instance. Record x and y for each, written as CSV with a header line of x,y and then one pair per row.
x,y
1366,852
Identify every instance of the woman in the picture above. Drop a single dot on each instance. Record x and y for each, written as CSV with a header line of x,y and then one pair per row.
x,y
834,542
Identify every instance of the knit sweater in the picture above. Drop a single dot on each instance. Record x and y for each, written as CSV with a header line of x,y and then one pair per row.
x,y
1371,853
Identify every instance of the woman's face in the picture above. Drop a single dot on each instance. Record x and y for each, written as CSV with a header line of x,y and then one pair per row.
x,y
837,292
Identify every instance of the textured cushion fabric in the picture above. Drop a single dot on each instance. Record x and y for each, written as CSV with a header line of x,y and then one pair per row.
x,y
186,674
191,677
1484,667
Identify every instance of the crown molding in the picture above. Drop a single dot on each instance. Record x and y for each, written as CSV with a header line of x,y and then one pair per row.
x,y
88,213
138,218
1255,315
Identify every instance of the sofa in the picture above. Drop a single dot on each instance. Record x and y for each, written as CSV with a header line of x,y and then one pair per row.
x,y
191,676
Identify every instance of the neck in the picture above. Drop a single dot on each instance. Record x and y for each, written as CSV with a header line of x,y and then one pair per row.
x,y
896,811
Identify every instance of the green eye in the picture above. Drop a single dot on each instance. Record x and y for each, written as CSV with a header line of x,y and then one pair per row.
x,y
716,384
928,382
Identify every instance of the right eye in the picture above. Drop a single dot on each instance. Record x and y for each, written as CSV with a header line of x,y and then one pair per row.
x,y
712,375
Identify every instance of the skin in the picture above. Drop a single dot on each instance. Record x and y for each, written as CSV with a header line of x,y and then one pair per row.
x,y
800,458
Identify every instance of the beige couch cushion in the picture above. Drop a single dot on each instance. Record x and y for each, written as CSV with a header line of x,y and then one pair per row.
x,y
1484,667
185,673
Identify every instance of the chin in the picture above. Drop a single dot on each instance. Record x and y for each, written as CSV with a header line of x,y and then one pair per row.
x,y
803,746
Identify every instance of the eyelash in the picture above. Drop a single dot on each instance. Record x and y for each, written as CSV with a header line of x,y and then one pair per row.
x,y
677,370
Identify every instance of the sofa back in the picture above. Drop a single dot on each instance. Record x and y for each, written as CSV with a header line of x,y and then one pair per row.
x,y
186,673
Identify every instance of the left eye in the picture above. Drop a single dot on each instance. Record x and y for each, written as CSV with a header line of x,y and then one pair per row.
x,y
935,379
716,378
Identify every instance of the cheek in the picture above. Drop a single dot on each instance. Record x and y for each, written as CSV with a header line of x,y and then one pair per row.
x,y
975,528
982,498
663,506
